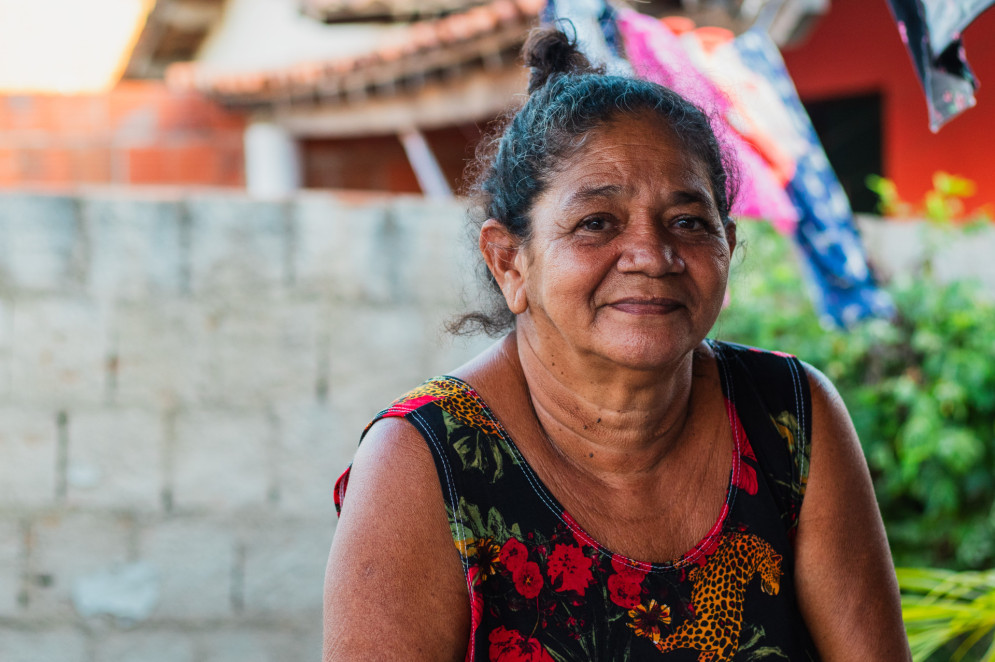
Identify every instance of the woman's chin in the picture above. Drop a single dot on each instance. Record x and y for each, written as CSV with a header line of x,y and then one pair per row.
x,y
645,351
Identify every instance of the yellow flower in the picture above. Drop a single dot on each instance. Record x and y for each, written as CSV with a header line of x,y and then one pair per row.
x,y
488,553
647,619
467,547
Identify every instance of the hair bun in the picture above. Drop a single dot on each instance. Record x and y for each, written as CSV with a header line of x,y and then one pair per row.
x,y
550,51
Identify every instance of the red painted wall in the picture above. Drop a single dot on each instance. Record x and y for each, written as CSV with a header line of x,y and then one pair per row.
x,y
138,133
855,49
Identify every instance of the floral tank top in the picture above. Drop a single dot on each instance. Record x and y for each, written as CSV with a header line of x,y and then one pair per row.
x,y
542,590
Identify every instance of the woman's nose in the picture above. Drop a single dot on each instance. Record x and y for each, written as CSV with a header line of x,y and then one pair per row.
x,y
650,251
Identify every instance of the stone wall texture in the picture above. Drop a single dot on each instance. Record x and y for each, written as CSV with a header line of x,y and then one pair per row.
x,y
182,378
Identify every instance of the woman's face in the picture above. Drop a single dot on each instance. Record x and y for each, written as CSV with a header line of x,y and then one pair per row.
x,y
628,258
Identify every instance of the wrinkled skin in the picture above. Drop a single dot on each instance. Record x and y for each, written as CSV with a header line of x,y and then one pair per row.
x,y
628,259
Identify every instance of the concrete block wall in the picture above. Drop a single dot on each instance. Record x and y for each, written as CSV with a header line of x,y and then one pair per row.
x,y
182,378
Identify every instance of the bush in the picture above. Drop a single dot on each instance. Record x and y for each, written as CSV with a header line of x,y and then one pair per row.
x,y
920,389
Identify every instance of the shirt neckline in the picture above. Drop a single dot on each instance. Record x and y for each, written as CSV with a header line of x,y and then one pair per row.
x,y
552,503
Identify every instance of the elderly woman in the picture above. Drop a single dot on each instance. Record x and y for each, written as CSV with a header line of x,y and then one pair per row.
x,y
605,482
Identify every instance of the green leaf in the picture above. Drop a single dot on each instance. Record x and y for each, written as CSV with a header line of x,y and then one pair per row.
x,y
920,389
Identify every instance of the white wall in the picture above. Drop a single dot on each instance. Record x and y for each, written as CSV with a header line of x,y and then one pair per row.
x,y
271,34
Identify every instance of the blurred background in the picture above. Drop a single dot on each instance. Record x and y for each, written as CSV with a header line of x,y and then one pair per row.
x,y
230,232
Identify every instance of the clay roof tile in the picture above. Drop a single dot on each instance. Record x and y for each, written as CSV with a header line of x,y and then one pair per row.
x,y
504,11
530,7
422,36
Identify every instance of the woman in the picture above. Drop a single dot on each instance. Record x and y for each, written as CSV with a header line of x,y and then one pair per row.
x,y
604,482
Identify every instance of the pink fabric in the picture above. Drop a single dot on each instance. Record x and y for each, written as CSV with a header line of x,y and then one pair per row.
x,y
656,55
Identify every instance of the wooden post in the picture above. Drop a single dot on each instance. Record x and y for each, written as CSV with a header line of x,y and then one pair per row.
x,y
430,176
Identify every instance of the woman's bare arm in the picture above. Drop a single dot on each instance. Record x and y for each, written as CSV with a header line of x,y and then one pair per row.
x,y
846,581
394,586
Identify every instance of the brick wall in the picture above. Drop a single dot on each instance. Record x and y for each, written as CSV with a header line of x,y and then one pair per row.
x,y
138,133
181,381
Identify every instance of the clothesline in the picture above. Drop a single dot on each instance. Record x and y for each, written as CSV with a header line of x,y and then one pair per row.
x,y
742,82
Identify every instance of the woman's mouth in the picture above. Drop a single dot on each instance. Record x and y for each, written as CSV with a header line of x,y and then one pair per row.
x,y
646,305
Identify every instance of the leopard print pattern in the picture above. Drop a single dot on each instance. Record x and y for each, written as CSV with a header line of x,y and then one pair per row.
x,y
718,594
457,399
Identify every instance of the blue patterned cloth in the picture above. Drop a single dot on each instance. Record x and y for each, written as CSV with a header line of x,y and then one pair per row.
x,y
842,285
931,30
844,288
597,32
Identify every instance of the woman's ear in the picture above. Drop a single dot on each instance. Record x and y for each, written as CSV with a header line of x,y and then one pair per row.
x,y
501,251
730,229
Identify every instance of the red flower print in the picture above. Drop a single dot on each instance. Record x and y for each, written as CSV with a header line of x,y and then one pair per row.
x,y
528,579
625,586
512,646
407,406
745,447
476,603
569,564
502,637
776,353
578,533
513,554
623,591
712,543
631,570
747,477
340,487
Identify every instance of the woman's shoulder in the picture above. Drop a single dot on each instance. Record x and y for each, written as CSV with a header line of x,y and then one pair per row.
x,y
393,494
817,387
454,392
777,377
747,352
445,391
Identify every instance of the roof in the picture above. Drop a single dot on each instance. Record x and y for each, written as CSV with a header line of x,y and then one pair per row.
x,y
173,32
394,11
484,40
484,37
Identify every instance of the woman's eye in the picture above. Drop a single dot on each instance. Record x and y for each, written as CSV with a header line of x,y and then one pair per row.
x,y
595,224
690,223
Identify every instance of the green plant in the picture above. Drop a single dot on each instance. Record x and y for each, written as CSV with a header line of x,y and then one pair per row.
x,y
943,204
949,615
920,389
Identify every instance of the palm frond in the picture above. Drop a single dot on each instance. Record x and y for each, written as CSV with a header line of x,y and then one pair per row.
x,y
944,609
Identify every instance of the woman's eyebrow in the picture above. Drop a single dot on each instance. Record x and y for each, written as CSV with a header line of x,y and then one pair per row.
x,y
691,196
587,193
685,196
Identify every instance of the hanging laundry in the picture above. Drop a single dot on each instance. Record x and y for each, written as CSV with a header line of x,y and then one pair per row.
x,y
931,30
844,291
947,19
755,110
597,33
656,54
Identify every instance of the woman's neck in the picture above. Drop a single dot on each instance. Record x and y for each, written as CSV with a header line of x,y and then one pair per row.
x,y
607,420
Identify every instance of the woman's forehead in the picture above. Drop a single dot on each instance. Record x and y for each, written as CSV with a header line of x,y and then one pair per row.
x,y
620,158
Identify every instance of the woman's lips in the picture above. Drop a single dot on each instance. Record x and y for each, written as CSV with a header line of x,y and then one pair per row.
x,y
650,306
